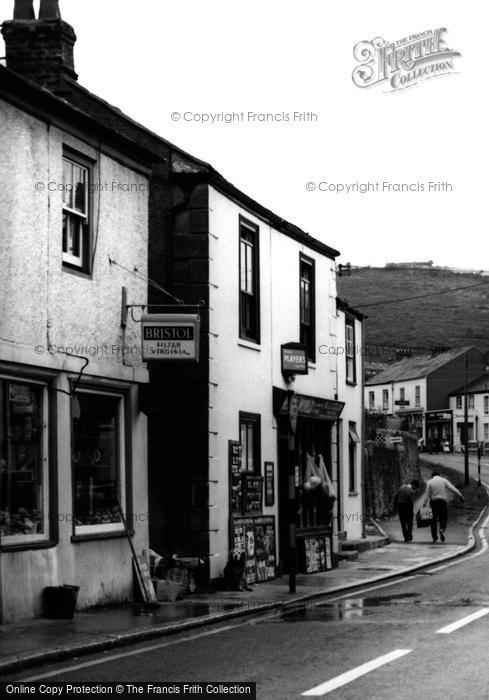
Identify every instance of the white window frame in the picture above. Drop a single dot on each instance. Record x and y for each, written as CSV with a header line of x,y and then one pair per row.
x,y
417,395
121,474
471,400
402,393
11,540
385,399
486,405
371,399
459,403
81,218
486,432
350,351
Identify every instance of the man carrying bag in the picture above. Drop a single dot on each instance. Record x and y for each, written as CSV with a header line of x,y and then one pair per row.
x,y
437,495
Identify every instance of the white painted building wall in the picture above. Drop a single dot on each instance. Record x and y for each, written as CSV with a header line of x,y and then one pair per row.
x,y
478,415
351,501
242,374
394,394
44,311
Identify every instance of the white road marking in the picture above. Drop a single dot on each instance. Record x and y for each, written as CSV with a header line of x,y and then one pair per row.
x,y
463,621
355,673
133,652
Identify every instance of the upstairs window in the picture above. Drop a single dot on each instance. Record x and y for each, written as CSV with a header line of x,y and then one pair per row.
x,y
459,402
307,307
76,205
385,399
351,374
471,400
417,395
249,297
486,405
371,400
402,393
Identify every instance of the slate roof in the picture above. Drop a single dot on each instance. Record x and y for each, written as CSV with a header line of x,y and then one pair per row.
x,y
415,367
478,386
117,126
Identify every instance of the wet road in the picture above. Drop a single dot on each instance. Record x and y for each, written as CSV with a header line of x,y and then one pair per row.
x,y
422,636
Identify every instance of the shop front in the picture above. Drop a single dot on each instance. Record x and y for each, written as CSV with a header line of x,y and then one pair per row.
x,y
439,437
315,469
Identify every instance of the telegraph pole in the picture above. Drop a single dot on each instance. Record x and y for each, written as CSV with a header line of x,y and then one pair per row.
x,y
466,421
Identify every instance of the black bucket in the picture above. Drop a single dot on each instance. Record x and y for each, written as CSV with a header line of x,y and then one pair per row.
x,y
59,602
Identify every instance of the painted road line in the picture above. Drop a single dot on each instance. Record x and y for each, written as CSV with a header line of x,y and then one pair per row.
x,y
355,673
464,621
133,652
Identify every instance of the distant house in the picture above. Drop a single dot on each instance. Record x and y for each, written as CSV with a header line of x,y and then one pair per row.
x,y
477,409
418,389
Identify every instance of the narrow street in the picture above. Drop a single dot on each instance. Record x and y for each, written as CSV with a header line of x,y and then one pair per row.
x,y
418,635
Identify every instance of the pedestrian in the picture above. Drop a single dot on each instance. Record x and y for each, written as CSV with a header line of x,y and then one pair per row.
x,y
437,495
404,502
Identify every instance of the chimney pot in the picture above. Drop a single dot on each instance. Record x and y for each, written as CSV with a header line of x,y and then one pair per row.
x,y
49,9
24,9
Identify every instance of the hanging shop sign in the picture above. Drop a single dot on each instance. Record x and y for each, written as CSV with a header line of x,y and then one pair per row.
x,y
310,406
170,336
294,359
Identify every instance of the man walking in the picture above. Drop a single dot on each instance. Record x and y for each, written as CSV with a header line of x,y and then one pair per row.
x,y
437,494
404,502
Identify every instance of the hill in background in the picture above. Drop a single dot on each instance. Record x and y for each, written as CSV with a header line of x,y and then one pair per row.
x,y
454,319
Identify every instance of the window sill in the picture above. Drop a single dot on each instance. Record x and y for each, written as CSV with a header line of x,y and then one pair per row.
x,y
249,345
350,383
353,494
77,271
27,546
101,536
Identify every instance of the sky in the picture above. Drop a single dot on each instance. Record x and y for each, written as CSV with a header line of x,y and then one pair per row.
x,y
168,63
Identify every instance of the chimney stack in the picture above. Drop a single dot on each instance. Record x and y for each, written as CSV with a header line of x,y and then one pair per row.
x,y
40,49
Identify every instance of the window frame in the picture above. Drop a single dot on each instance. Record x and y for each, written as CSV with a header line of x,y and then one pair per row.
x,y
83,263
458,402
352,459
124,466
350,357
253,419
385,399
471,401
417,395
307,330
252,336
371,400
486,405
48,539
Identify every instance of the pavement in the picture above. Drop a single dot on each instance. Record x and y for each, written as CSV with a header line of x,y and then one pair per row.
x,y
34,642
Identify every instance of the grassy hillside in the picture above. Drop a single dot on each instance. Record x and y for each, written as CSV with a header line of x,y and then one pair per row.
x,y
454,319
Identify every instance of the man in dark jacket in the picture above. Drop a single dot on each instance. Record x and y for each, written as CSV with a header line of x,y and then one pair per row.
x,y
404,502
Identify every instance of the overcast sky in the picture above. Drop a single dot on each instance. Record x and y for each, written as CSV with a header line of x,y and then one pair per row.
x,y
152,58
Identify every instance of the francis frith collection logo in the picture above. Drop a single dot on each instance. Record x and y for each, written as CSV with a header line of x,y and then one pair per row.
x,y
403,63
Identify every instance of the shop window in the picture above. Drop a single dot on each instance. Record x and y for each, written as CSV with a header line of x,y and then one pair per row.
x,y
471,400
307,307
76,213
353,440
459,402
249,295
486,405
249,431
351,374
98,462
385,399
417,395
371,399
24,486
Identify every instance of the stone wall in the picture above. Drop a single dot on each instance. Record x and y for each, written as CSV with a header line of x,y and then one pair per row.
x,y
387,466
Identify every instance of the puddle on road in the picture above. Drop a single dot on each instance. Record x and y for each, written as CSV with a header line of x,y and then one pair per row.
x,y
347,609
